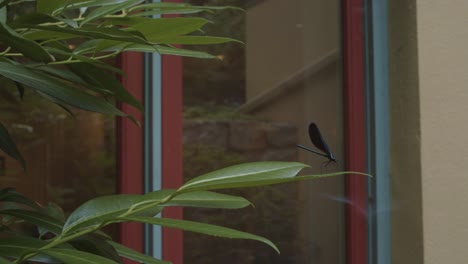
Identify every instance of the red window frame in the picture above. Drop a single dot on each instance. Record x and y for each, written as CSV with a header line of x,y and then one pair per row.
x,y
130,150
130,139
355,134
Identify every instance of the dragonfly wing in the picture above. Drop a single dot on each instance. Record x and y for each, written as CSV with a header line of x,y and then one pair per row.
x,y
317,139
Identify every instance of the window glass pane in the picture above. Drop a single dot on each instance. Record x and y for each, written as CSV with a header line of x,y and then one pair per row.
x,y
70,159
255,103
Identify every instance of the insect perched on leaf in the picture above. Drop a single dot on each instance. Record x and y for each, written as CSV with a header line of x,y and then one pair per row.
x,y
319,142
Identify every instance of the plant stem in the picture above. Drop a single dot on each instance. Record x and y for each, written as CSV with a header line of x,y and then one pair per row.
x,y
57,241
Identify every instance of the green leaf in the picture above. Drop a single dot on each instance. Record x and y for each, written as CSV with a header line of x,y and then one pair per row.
x,y
71,256
97,33
8,145
96,246
99,210
94,46
245,175
4,261
58,102
107,209
182,52
3,15
62,74
32,18
254,174
84,59
201,228
48,6
74,4
10,195
38,219
27,47
55,88
109,9
4,3
167,11
196,40
174,8
135,255
55,211
207,200
104,80
157,5
155,29
48,35
17,246
70,22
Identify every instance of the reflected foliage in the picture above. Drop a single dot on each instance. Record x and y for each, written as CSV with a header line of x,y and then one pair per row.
x,y
222,81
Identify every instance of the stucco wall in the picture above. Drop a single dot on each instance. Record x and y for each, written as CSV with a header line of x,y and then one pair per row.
x,y
443,78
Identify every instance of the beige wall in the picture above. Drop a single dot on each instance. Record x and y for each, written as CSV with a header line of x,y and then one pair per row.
x,y
442,31
429,124
405,133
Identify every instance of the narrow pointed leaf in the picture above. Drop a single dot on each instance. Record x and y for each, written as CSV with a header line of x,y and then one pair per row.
x,y
168,11
165,50
74,4
105,80
71,256
48,35
156,5
201,228
108,10
98,211
113,46
203,199
17,246
3,15
48,6
8,145
94,245
38,219
208,199
32,18
107,209
154,29
62,74
135,255
85,59
245,175
98,33
57,102
60,90
195,40
11,195
27,47
255,174
174,6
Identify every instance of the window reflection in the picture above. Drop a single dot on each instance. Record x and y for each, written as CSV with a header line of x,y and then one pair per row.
x,y
255,103
70,158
